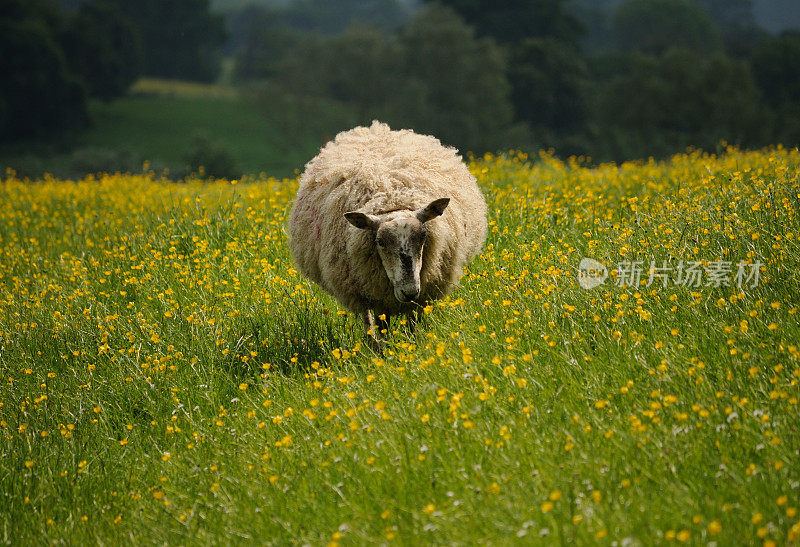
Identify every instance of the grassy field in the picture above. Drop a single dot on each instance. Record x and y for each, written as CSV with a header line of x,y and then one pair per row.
x,y
168,377
157,123
160,129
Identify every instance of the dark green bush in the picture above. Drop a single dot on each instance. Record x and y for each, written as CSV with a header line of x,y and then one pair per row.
x,y
208,158
91,160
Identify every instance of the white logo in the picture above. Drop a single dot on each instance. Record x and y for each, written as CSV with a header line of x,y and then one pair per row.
x,y
591,273
693,273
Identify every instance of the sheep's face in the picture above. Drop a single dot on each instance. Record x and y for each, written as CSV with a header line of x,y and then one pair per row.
x,y
400,238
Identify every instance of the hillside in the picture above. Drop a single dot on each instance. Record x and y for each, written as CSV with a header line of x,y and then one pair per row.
x,y
158,122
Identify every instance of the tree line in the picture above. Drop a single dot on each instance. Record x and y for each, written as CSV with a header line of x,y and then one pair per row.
x,y
610,79
57,55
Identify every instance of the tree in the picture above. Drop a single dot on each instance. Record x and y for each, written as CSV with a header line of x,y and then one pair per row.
x,y
776,65
729,12
513,20
361,66
454,84
265,44
38,95
324,16
180,38
595,18
103,47
434,76
655,26
662,105
737,23
741,41
549,82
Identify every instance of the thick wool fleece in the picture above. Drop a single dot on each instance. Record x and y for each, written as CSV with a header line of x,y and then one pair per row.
x,y
376,170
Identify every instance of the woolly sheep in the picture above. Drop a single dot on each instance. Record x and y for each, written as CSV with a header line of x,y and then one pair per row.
x,y
385,221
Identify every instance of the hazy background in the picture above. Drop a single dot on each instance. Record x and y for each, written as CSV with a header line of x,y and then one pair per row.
x,y
250,86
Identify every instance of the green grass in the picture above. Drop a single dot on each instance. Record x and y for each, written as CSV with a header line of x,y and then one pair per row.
x,y
168,377
157,123
160,129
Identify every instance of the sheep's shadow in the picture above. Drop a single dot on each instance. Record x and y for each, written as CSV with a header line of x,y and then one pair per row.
x,y
289,346
294,345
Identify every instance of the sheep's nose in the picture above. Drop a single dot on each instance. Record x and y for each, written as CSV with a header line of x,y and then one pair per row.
x,y
409,296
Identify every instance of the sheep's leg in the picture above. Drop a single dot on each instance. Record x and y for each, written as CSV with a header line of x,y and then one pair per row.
x,y
369,327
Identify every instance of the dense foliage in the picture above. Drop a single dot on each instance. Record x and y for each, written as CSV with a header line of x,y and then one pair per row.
x,y
103,48
660,76
39,93
656,26
181,38
54,58
434,76
610,80
677,101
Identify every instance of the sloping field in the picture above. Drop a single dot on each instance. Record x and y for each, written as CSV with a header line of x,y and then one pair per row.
x,y
168,377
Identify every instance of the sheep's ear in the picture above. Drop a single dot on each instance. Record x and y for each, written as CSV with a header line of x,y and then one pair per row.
x,y
362,220
433,209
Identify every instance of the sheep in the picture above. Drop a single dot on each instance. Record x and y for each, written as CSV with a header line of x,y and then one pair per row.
x,y
385,221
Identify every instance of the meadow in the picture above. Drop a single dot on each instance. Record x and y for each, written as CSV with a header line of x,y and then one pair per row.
x,y
158,121
169,377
